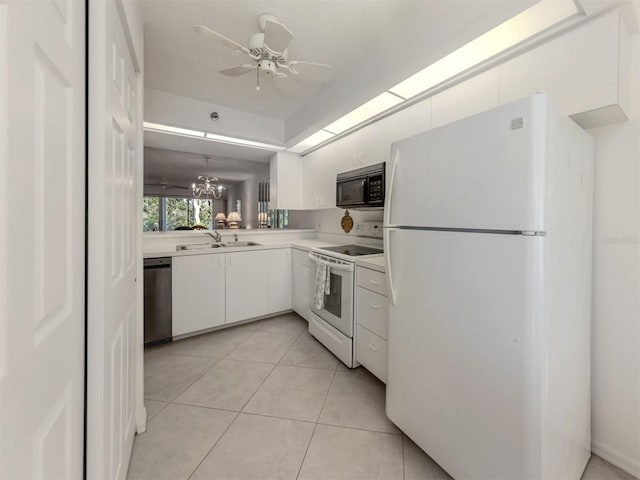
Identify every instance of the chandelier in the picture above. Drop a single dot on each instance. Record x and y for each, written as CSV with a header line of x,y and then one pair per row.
x,y
207,186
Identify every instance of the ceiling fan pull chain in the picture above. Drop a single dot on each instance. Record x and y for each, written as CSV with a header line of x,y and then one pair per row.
x,y
258,79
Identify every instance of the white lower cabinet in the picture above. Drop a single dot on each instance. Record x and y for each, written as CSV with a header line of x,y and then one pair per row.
x,y
247,285
303,278
279,280
372,321
198,293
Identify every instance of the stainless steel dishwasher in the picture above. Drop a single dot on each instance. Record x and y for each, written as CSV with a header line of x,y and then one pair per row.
x,y
157,300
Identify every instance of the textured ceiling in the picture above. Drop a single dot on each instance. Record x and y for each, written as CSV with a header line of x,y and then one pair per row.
x,y
371,44
333,32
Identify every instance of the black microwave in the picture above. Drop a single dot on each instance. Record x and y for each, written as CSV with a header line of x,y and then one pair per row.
x,y
362,188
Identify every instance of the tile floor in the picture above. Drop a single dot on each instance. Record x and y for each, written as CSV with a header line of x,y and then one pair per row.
x,y
267,401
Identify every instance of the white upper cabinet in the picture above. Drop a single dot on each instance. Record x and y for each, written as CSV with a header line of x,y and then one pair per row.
x,y
198,292
279,280
362,148
285,181
472,96
584,72
247,294
318,178
408,122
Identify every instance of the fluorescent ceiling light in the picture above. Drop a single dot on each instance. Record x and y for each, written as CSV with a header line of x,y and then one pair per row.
x,y
530,22
311,141
373,107
242,141
169,129
156,127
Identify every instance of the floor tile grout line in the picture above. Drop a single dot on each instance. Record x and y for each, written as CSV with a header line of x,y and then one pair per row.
x,y
304,457
359,428
213,446
404,474
259,386
191,384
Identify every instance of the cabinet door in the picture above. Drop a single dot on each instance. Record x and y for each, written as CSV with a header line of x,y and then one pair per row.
x,y
247,285
472,96
408,122
318,178
198,291
372,144
279,280
303,271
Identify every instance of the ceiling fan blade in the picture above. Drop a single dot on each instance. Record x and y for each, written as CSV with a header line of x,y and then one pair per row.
x,y
314,71
218,37
238,70
276,37
286,85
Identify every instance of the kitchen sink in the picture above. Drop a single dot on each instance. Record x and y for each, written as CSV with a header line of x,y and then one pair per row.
x,y
198,246
241,244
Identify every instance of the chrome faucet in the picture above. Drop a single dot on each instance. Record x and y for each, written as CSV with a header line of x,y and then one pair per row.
x,y
216,236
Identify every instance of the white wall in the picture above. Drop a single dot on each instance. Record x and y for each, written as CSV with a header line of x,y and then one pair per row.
x,y
616,287
170,109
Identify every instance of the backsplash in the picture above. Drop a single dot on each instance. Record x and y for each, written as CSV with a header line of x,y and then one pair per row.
x,y
327,221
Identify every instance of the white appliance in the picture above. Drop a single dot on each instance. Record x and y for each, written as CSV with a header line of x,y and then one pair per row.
x,y
488,242
333,324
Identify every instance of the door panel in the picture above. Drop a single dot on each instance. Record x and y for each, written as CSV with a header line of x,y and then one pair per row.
x,y
463,380
42,183
112,339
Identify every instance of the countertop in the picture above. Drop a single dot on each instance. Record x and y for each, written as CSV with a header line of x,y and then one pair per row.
x,y
374,263
301,243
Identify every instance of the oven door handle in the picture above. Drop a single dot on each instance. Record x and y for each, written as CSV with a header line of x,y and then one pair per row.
x,y
334,266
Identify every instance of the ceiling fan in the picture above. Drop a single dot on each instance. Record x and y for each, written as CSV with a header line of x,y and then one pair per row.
x,y
163,183
268,49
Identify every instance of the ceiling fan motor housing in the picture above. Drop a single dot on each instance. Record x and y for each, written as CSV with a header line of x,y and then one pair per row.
x,y
267,66
256,47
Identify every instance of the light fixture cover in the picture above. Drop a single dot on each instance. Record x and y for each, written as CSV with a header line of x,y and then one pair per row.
x,y
220,217
526,24
364,112
311,141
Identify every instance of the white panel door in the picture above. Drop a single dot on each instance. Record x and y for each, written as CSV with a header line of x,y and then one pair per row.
x,y
198,292
113,229
247,293
42,186
464,353
279,280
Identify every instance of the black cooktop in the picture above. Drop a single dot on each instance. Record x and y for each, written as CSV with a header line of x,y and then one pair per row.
x,y
353,250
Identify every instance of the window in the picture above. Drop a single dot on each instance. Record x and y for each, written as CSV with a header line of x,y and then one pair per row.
x,y
172,213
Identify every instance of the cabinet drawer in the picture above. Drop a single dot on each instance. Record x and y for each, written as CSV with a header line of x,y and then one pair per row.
x,y
372,280
371,351
372,311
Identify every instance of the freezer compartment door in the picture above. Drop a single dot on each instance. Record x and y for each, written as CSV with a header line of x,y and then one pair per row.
x,y
482,172
463,363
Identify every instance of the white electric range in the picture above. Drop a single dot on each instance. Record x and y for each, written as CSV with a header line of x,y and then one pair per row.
x,y
333,325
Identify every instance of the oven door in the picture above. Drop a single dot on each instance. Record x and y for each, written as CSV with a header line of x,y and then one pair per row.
x,y
351,192
338,304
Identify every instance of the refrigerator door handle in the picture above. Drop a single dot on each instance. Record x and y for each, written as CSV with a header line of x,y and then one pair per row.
x,y
387,259
392,179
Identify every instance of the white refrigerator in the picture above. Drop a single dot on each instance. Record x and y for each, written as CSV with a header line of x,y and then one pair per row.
x,y
488,226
